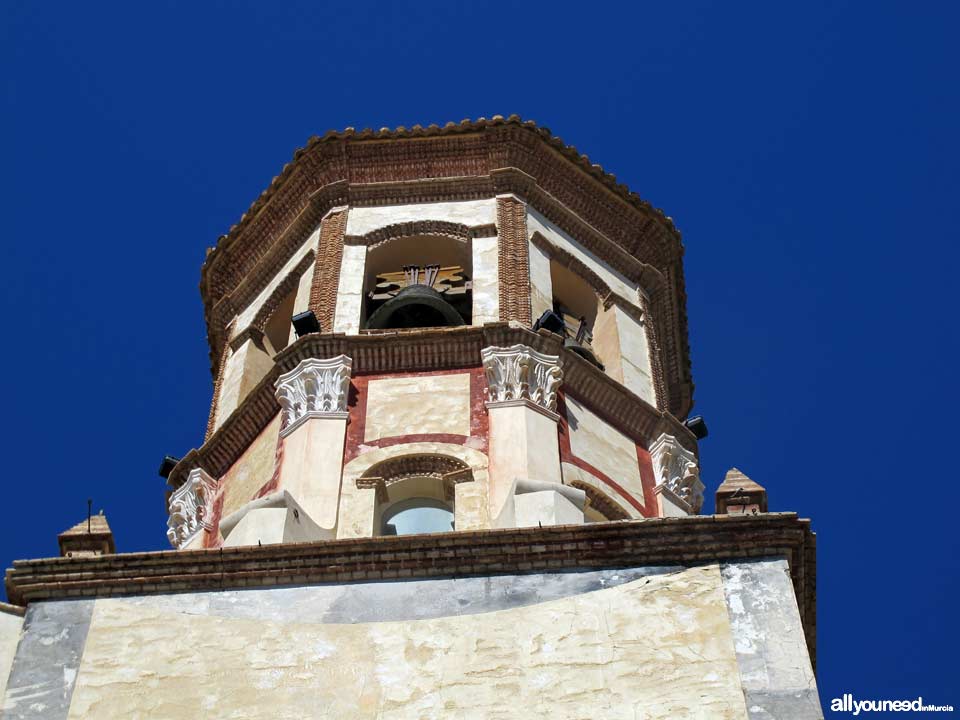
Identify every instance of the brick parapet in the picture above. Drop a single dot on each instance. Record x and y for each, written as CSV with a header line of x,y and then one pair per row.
x,y
656,541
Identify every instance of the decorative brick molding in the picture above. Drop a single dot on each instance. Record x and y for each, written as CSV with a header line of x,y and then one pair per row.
x,y
514,260
520,373
450,471
436,228
315,388
423,350
326,273
286,286
191,508
677,472
633,543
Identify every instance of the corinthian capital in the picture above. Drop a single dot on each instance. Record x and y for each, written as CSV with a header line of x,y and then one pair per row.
x,y
520,373
190,508
314,388
677,471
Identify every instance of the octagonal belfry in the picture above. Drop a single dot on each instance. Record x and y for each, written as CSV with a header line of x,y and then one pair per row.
x,y
483,293
448,471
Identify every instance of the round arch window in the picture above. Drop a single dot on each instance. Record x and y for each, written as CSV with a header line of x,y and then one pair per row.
x,y
417,515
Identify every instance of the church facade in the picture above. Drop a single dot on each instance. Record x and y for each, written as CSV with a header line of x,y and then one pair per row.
x,y
448,471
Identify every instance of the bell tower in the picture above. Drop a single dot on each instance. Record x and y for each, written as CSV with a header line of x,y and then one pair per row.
x,y
486,327
450,416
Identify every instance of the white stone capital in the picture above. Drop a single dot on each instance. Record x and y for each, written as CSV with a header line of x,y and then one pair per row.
x,y
191,507
521,373
314,388
677,471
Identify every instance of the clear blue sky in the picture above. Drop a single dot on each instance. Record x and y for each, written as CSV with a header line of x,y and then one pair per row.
x,y
808,153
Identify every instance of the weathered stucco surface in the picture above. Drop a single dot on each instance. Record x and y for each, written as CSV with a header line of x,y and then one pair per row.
x,y
10,626
311,465
418,405
658,647
350,289
603,446
486,281
44,670
778,681
252,471
541,284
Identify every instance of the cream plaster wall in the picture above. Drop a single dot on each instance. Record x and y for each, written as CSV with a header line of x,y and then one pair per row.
x,y
310,468
541,284
10,627
617,282
246,316
486,281
418,405
363,220
350,289
635,355
358,505
252,471
660,647
244,369
604,447
523,445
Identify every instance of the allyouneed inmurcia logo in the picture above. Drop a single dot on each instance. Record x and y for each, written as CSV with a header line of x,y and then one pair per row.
x,y
846,703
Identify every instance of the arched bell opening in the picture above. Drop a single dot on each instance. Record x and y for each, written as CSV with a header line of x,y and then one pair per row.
x,y
419,281
575,315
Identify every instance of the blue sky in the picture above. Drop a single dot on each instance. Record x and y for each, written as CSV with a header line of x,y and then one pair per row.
x,y
807,152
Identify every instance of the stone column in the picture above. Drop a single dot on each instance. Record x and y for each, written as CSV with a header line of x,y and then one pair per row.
x,y
521,403
679,489
314,400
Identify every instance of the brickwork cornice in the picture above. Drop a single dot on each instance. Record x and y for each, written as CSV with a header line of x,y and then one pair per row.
x,y
629,543
425,350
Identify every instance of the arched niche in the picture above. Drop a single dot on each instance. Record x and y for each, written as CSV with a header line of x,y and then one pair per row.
x,y
444,472
421,280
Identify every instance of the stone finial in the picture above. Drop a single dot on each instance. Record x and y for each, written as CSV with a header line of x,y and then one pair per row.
x,y
87,538
314,388
677,472
520,373
739,495
190,508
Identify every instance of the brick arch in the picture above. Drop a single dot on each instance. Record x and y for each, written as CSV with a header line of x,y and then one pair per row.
x,y
599,500
450,471
285,287
434,228
355,518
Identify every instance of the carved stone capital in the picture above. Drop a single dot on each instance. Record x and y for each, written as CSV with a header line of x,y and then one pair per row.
x,y
519,372
677,472
191,507
314,388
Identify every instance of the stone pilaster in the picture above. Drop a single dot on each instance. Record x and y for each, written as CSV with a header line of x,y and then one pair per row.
x,y
314,400
679,489
521,404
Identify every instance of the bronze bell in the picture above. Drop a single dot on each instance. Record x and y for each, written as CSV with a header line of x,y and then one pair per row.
x,y
415,306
